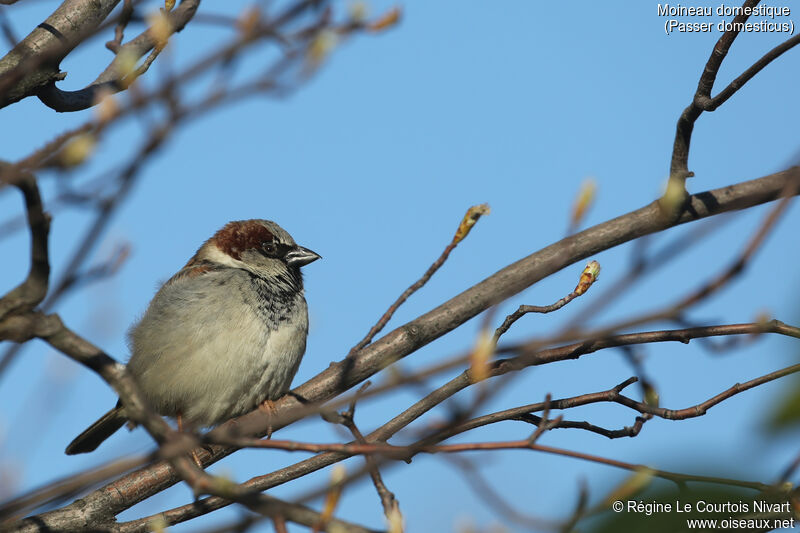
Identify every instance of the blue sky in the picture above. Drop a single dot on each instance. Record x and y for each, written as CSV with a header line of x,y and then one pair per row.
x,y
373,163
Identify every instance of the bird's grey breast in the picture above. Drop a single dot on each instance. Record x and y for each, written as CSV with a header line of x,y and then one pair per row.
x,y
276,301
215,345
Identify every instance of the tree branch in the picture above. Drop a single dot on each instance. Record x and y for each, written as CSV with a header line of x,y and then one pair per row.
x,y
417,333
339,452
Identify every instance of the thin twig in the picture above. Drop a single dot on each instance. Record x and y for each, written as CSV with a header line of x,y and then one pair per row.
x,y
710,104
486,493
628,431
641,266
122,23
8,31
702,408
469,220
525,444
588,277
738,265
544,423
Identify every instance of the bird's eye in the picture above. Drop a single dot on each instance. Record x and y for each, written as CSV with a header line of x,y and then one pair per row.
x,y
268,247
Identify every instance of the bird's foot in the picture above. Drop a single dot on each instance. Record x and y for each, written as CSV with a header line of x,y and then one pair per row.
x,y
196,459
268,408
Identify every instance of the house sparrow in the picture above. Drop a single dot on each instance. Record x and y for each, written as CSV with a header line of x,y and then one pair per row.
x,y
223,335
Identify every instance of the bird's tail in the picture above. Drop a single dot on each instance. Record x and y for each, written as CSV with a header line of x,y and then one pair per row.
x,y
95,434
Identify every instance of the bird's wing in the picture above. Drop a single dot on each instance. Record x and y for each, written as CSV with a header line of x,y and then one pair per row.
x,y
193,269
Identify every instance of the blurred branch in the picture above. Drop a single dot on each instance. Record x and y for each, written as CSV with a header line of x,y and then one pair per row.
x,y
91,237
12,173
122,23
268,507
738,265
100,271
487,494
8,31
118,76
32,291
66,487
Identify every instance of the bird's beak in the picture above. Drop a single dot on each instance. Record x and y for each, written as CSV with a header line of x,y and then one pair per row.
x,y
299,256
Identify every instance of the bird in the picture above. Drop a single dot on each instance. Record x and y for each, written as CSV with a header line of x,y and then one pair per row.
x,y
222,336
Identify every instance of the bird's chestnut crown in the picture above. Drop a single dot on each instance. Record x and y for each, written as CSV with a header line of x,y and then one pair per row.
x,y
241,239
236,237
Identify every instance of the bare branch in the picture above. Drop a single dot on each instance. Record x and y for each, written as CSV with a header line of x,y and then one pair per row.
x,y
702,101
304,32
588,277
710,104
702,408
629,431
664,474
679,169
111,500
